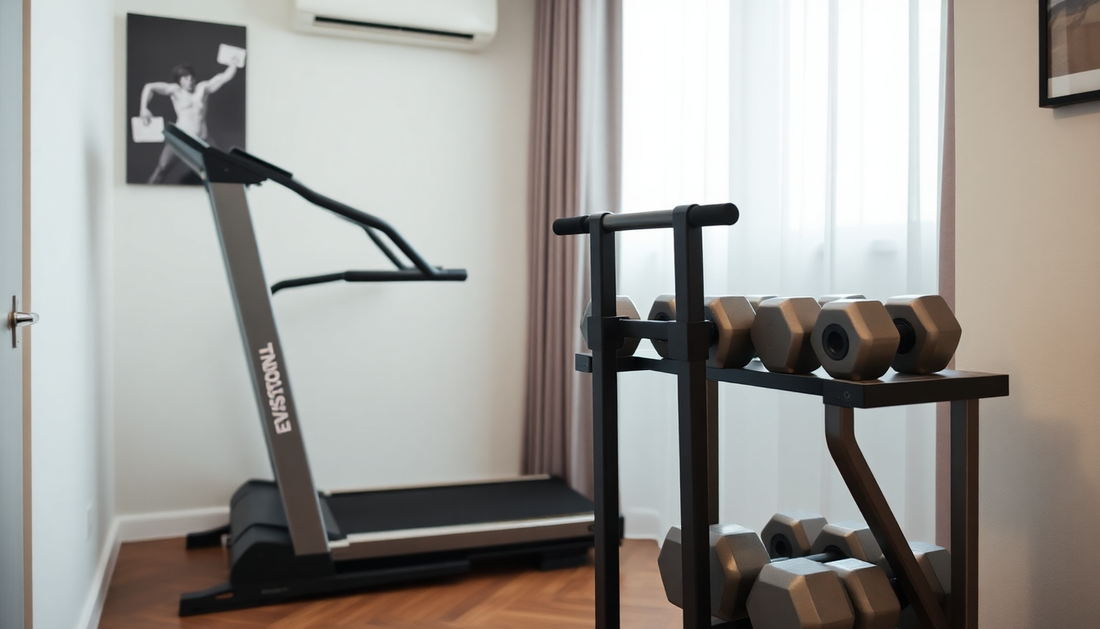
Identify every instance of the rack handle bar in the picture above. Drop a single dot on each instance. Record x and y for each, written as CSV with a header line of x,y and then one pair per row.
x,y
698,216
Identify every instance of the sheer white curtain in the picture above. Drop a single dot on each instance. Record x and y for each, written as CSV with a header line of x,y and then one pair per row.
x,y
821,121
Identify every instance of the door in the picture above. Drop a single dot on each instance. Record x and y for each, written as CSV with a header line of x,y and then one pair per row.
x,y
11,287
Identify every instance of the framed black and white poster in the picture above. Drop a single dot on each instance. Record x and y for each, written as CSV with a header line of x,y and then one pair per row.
x,y
187,73
1069,51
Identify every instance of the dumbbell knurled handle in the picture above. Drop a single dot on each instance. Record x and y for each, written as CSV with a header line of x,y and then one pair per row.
x,y
824,557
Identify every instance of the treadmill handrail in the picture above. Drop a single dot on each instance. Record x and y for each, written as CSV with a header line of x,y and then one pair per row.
x,y
239,166
426,271
401,275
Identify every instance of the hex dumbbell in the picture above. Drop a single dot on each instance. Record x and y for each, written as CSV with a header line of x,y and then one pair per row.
x,y
802,533
859,339
786,534
929,331
791,533
782,331
852,338
739,560
736,557
794,594
624,307
800,592
783,328
732,317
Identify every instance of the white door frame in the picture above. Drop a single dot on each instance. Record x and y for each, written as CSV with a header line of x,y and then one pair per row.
x,y
15,559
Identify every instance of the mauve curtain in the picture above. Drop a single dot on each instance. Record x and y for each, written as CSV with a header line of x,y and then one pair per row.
x,y
573,169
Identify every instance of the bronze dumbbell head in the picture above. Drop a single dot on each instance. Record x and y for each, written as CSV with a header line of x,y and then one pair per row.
x,y
855,339
733,317
736,558
792,533
781,334
873,600
799,593
929,330
624,307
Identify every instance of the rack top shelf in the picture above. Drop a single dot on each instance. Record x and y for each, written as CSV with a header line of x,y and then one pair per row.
x,y
893,389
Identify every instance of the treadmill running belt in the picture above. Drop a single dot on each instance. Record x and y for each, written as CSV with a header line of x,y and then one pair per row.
x,y
451,505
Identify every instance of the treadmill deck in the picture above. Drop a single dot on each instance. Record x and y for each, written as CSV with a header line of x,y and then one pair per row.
x,y
417,520
452,505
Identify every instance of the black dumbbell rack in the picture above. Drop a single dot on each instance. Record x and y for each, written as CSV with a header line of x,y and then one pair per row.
x,y
689,338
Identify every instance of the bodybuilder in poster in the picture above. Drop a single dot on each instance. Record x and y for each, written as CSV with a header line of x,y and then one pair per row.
x,y
189,99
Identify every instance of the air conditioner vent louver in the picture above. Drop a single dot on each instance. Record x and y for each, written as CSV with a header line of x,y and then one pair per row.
x,y
461,24
326,21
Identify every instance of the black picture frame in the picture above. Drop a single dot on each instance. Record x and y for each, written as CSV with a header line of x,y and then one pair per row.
x,y
1069,52
156,49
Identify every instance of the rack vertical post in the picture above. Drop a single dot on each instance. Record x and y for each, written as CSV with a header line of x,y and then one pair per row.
x,y
689,341
689,344
605,341
964,514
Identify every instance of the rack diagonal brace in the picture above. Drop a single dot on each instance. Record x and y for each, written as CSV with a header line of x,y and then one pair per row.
x,y
840,436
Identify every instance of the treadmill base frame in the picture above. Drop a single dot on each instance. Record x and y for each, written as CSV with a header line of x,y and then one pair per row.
x,y
366,575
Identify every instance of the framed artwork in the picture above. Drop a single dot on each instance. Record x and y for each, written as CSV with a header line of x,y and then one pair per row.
x,y
191,74
1069,52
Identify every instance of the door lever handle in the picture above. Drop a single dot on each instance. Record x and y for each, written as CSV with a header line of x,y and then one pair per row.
x,y
18,320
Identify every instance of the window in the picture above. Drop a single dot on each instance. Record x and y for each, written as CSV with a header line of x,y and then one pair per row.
x,y
821,120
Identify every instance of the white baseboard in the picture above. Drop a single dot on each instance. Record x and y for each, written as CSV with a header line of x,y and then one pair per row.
x,y
643,524
136,528
165,524
101,580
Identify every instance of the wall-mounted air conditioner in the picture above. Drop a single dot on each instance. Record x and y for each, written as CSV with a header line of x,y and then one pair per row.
x,y
463,24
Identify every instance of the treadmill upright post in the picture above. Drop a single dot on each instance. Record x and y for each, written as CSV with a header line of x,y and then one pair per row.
x,y
267,367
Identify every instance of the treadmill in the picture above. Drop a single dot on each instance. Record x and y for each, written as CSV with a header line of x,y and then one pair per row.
x,y
286,539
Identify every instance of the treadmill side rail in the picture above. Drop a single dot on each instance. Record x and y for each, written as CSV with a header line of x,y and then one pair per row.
x,y
450,538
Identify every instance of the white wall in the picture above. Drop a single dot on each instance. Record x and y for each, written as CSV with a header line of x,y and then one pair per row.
x,y
1028,227
395,383
71,167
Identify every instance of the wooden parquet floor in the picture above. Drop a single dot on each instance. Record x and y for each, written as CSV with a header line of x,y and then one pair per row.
x,y
149,577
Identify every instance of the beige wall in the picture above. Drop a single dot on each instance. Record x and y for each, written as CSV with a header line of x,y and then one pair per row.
x,y
1028,293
